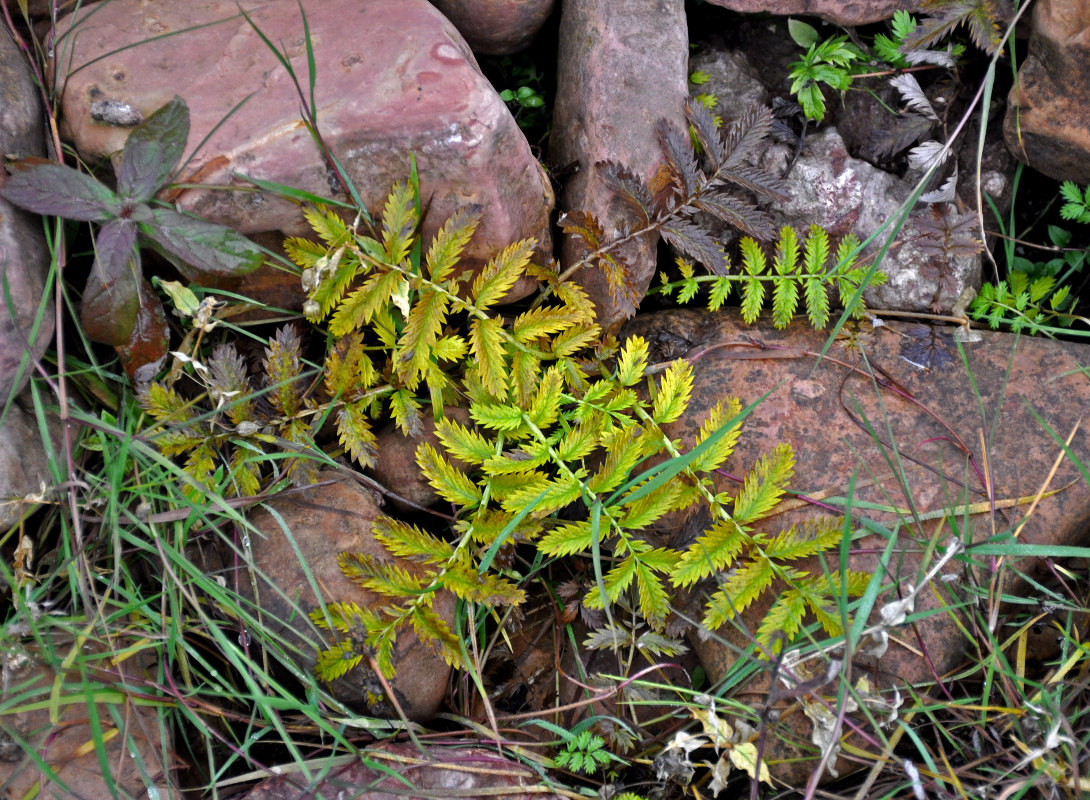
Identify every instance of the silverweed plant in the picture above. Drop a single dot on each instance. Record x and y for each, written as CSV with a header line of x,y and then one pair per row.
x,y
563,425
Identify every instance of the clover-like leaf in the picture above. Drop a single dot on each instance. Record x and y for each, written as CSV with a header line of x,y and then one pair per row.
x,y
198,248
59,191
152,151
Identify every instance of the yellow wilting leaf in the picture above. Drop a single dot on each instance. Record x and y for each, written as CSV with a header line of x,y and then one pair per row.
x,y
744,757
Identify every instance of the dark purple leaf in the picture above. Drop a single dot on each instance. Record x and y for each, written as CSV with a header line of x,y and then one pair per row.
x,y
58,191
732,210
695,242
152,151
111,297
629,188
678,149
142,355
743,135
201,249
756,180
707,133
904,132
928,348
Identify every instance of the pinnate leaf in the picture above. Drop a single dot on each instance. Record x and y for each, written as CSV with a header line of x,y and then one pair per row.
x,y
501,272
674,390
632,362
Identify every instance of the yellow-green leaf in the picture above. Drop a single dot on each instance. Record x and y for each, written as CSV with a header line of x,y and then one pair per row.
x,y
452,484
501,272
672,397
632,362
487,348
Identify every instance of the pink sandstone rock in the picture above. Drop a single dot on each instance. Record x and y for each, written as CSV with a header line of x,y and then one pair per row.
x,y
622,68
1048,112
497,27
846,12
394,79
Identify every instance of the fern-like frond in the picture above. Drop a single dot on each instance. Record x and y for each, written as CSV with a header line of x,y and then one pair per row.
x,y
399,223
384,578
342,616
451,484
694,241
304,252
673,392
621,457
499,417
764,484
714,550
486,344
354,432
577,443
488,524
544,408
466,583
337,660
632,361
422,329
447,246
364,303
567,539
720,451
615,582
434,631
463,443
554,495
328,225
648,508
629,188
793,544
743,134
282,368
331,288
742,586
540,322
406,412
164,404
408,541
244,475
501,272
783,619
654,601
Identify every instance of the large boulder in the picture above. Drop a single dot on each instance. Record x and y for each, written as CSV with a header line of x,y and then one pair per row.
x,y
24,257
497,27
827,187
914,439
838,12
394,79
1048,110
24,463
82,729
294,571
621,69
385,770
